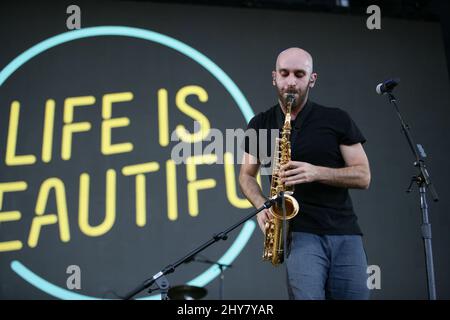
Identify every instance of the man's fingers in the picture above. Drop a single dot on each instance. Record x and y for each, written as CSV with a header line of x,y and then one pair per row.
x,y
268,214
263,217
293,171
262,226
261,221
292,164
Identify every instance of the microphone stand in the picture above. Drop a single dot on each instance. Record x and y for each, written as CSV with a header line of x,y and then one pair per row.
x,y
159,277
221,266
423,181
283,206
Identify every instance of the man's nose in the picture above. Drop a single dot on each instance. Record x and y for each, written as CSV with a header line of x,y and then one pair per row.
x,y
291,85
291,81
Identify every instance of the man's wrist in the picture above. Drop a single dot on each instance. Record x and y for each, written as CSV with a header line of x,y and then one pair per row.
x,y
261,202
321,174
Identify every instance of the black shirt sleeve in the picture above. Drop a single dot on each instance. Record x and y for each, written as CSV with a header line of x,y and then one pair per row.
x,y
251,143
349,132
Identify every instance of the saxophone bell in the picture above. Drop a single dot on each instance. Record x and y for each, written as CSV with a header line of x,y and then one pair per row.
x,y
290,204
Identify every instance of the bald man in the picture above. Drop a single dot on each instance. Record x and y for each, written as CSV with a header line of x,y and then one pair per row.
x,y
326,257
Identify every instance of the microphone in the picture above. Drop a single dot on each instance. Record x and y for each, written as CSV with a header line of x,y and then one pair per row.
x,y
387,86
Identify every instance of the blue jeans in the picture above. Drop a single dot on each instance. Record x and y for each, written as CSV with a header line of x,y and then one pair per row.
x,y
327,267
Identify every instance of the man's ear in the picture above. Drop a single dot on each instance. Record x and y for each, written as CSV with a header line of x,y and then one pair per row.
x,y
312,79
274,76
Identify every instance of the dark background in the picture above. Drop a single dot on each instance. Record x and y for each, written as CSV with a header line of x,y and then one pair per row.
x,y
244,41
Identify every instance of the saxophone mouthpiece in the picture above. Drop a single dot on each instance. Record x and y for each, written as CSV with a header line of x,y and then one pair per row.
x,y
290,98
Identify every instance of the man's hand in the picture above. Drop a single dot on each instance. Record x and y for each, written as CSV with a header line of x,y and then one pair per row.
x,y
295,172
355,174
263,217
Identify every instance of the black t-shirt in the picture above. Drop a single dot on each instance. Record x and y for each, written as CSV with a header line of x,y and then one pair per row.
x,y
316,135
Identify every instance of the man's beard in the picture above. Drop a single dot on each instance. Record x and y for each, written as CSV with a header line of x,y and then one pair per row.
x,y
302,95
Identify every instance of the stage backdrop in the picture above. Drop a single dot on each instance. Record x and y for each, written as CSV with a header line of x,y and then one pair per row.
x,y
92,202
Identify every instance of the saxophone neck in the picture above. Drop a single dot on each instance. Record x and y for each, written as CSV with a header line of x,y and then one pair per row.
x,y
287,120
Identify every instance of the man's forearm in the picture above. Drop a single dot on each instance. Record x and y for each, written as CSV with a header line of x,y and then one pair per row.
x,y
252,191
348,177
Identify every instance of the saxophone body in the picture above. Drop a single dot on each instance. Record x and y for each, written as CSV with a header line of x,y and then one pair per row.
x,y
274,239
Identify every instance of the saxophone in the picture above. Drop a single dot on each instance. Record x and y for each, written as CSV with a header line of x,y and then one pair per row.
x,y
274,240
